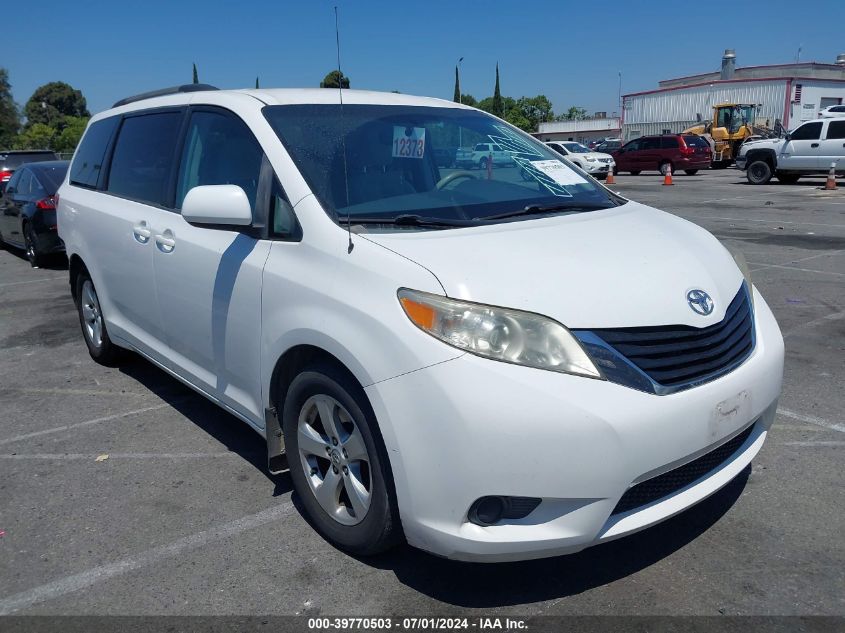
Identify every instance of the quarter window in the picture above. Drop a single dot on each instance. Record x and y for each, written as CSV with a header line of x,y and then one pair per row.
x,y
143,156
88,162
219,150
669,142
836,130
808,132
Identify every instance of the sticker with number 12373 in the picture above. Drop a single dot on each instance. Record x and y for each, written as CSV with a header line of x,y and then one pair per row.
x,y
408,142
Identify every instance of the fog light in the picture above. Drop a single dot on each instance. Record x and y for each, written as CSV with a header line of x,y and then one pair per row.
x,y
490,510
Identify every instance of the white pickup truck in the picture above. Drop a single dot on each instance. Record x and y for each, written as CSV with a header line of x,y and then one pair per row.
x,y
481,154
808,150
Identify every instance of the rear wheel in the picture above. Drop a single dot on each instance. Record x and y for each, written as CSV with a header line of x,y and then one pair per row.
x,y
759,172
665,166
94,331
483,164
338,463
690,172
787,178
36,259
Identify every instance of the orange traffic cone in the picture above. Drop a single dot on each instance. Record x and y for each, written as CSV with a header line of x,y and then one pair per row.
x,y
610,180
831,178
667,175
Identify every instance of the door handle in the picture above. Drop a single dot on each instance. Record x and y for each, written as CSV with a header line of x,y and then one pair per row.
x,y
165,241
814,145
141,232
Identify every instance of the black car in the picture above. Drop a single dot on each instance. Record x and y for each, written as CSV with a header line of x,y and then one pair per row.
x,y
445,157
28,209
11,160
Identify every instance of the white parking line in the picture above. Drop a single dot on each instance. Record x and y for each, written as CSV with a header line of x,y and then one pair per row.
x,y
795,261
811,419
86,579
715,217
92,456
31,281
830,317
810,443
803,270
67,427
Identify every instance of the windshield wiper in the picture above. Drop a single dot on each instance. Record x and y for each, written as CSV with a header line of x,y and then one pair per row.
x,y
408,219
532,209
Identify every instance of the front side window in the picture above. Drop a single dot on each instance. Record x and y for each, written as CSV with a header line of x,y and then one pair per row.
x,y
377,161
808,132
219,150
143,156
632,146
650,142
88,161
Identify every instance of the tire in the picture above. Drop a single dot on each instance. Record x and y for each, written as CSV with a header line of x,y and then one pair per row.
x,y
91,320
662,167
759,172
36,259
483,164
317,457
787,178
690,172
636,172
615,170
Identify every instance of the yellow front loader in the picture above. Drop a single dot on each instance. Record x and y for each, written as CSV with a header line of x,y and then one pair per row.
x,y
731,126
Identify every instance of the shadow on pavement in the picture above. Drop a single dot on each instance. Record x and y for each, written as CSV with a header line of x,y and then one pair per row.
x,y
234,434
476,585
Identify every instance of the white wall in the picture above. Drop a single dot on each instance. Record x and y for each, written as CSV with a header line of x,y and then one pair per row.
x,y
811,97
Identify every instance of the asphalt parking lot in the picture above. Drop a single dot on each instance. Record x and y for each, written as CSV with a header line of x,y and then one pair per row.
x,y
182,517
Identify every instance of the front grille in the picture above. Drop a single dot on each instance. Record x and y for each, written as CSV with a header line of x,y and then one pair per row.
x,y
605,160
664,485
682,356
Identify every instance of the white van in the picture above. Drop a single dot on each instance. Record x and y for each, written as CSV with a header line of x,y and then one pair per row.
x,y
488,365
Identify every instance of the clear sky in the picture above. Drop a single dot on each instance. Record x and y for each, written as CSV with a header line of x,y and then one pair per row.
x,y
570,51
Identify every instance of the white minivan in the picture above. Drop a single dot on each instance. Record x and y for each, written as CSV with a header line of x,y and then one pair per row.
x,y
493,365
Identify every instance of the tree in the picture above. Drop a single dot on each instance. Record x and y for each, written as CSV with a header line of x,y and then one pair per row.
x,y
335,79
497,107
196,75
574,113
469,100
68,138
457,97
256,83
35,136
488,104
52,102
10,120
528,112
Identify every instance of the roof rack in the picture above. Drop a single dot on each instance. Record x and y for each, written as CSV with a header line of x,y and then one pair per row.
x,y
164,91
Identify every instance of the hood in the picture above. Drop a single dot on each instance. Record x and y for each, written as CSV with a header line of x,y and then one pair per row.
x,y
763,142
623,267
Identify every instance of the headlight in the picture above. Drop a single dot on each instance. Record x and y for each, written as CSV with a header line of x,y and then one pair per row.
x,y
511,336
739,259
592,160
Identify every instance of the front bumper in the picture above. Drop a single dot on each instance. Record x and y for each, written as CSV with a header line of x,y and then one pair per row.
x,y
598,168
472,427
741,162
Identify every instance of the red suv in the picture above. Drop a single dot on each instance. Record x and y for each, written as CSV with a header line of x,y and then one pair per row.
x,y
681,151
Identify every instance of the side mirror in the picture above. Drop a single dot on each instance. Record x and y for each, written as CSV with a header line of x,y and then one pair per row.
x,y
217,204
787,136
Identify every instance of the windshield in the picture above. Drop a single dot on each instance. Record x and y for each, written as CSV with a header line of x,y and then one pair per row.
x,y
389,167
576,148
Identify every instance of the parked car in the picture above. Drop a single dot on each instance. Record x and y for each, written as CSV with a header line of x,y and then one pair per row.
x,y
28,210
809,149
594,163
11,160
481,154
445,156
609,146
832,112
686,152
493,369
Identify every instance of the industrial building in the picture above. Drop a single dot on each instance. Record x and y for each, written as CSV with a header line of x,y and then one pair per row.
x,y
789,93
594,128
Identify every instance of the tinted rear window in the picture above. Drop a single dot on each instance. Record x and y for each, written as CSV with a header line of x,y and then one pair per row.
x,y
696,141
50,177
88,161
17,159
143,156
836,130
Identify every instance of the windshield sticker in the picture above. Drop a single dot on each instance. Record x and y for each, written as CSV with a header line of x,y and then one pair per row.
x,y
559,172
408,142
513,144
528,171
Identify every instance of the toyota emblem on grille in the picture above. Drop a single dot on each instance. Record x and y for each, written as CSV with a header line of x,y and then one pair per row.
x,y
700,302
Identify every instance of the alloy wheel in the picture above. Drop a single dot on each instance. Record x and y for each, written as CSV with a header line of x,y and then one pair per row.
x,y
91,314
335,460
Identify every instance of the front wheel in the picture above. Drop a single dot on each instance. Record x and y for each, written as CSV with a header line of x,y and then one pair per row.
x,y
483,164
338,462
636,172
759,172
690,172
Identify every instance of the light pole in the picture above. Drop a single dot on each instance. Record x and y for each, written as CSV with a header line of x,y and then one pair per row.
x,y
460,100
